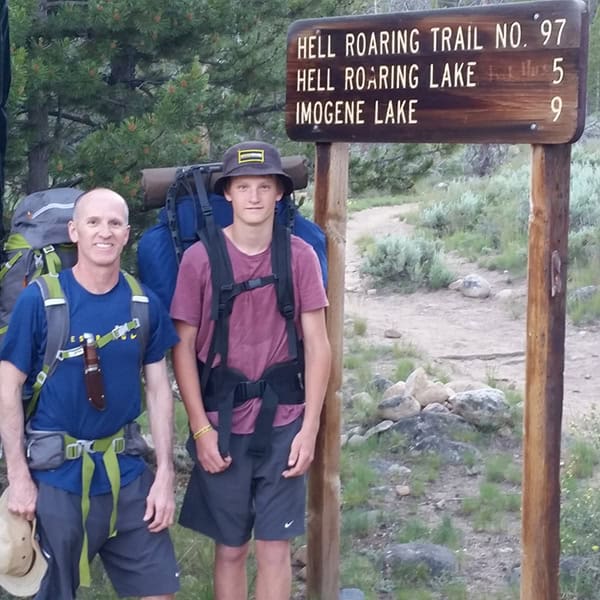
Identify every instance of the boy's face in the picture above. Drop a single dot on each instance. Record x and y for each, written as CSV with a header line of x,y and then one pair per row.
x,y
253,197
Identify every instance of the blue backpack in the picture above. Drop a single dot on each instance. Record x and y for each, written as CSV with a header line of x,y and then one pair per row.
x,y
184,217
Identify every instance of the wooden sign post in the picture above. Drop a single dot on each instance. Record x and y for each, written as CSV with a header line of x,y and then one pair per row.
x,y
511,73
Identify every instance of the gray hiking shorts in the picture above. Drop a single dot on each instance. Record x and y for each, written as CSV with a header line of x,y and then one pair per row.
x,y
250,495
137,562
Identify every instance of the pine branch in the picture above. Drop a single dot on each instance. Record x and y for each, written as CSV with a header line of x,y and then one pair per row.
x,y
70,117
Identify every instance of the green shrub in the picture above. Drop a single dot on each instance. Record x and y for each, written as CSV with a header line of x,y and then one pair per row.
x,y
406,263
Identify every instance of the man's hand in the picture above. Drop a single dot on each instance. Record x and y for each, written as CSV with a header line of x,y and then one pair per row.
x,y
207,451
22,496
160,503
302,453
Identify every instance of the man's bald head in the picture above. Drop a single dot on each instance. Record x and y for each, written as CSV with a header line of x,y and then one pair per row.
x,y
100,194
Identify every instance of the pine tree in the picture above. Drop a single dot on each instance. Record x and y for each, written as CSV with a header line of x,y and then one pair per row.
x,y
102,88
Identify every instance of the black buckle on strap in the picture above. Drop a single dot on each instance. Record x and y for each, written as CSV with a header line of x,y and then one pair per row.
x,y
250,389
252,284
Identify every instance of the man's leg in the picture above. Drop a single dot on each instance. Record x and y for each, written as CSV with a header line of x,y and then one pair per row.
x,y
167,597
230,572
274,574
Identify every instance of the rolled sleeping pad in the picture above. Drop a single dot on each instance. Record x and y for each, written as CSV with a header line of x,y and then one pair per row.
x,y
156,182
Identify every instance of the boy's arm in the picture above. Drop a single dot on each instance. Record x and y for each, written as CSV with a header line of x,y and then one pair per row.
x,y
22,496
188,381
317,358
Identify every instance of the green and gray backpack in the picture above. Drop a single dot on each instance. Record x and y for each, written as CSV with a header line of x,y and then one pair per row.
x,y
38,243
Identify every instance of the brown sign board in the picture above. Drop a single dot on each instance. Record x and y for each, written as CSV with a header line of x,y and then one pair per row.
x,y
513,73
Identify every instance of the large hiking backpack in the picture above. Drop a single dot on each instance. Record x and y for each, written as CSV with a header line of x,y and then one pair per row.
x,y
38,242
190,214
183,218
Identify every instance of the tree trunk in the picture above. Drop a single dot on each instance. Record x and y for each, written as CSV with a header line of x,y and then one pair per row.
x,y
39,149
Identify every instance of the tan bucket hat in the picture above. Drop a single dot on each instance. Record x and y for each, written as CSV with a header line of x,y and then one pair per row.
x,y
22,563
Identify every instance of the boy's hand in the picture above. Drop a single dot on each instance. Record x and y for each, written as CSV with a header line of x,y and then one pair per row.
x,y
207,451
302,453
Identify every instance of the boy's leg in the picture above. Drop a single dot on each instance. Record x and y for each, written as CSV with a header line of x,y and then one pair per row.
x,y
230,572
274,576
280,507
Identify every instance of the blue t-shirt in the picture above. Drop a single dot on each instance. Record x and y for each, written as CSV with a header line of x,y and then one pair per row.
x,y
63,403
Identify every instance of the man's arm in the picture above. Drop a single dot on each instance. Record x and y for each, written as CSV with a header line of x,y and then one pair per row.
x,y
317,358
188,380
160,504
22,495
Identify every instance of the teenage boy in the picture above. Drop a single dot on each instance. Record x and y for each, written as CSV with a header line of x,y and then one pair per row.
x,y
249,473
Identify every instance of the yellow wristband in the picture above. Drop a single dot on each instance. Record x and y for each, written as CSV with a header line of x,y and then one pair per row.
x,y
202,431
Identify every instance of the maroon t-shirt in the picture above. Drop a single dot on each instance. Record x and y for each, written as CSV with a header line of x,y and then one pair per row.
x,y
257,333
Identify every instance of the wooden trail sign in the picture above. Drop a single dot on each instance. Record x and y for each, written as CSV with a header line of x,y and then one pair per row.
x,y
511,73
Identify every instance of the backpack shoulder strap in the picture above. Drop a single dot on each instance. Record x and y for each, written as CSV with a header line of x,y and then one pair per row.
x,y
139,310
281,261
57,323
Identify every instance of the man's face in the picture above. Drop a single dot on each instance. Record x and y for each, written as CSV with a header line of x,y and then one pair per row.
x,y
99,228
253,197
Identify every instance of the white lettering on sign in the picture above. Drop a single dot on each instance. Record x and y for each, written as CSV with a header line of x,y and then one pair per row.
x,y
314,80
452,75
396,112
508,35
330,112
349,77
382,43
448,39
315,46
382,77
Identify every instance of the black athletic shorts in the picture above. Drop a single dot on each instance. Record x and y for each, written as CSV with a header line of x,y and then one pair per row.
x,y
138,562
251,495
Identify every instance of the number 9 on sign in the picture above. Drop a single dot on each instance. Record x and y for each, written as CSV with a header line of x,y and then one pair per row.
x,y
556,106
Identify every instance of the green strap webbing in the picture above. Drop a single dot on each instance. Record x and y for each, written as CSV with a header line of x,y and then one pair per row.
x,y
16,241
53,263
9,264
117,332
54,296
109,447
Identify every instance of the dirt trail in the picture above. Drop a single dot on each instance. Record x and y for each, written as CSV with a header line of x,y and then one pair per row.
x,y
467,337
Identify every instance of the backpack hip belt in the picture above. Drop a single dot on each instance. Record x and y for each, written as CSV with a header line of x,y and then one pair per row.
x,y
227,388
43,446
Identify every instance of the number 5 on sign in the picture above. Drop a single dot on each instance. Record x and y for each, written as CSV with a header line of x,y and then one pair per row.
x,y
558,70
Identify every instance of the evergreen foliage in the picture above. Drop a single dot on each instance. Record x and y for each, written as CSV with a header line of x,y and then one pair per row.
x,y
103,88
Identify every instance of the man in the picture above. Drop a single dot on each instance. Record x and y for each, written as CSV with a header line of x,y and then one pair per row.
x,y
129,510
249,466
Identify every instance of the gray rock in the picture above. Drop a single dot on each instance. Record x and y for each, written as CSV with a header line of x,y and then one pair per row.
x,y
428,424
475,286
436,407
398,407
486,408
438,559
351,594
379,428
450,451
379,383
363,401
584,293
570,567
396,389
